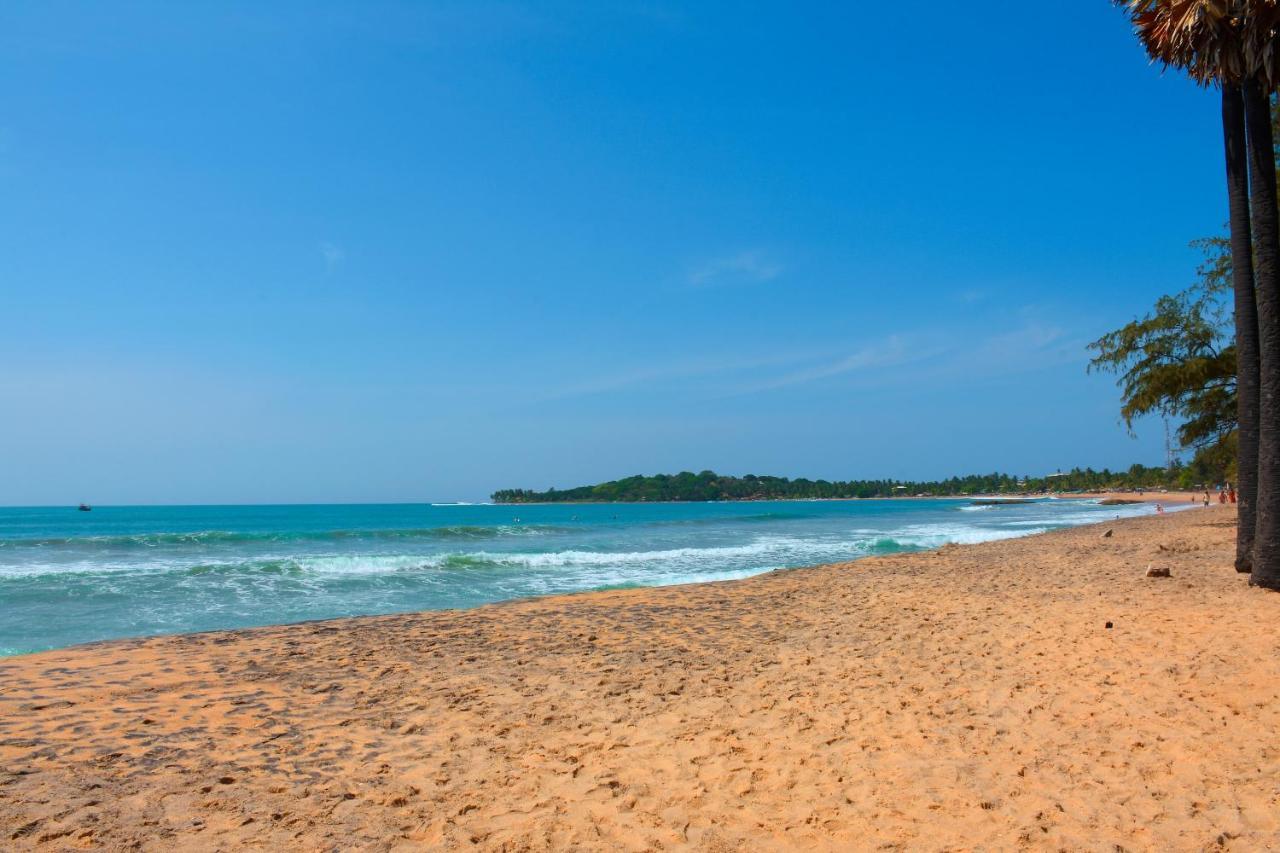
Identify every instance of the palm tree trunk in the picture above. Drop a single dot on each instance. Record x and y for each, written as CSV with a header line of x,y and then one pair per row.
x,y
1233,136
1266,228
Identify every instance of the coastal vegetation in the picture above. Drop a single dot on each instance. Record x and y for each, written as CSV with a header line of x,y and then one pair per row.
x,y
710,486
1179,362
1231,45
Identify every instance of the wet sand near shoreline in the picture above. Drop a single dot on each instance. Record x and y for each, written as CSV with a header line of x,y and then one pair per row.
x,y
967,697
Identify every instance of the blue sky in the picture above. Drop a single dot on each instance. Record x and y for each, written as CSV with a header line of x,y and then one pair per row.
x,y
419,251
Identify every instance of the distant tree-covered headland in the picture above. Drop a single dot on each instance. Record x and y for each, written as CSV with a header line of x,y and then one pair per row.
x,y
710,486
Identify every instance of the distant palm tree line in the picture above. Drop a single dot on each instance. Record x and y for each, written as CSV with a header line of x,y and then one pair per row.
x,y
710,486
1234,45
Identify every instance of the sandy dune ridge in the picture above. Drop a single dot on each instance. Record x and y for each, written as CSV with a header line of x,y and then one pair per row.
x,y
967,698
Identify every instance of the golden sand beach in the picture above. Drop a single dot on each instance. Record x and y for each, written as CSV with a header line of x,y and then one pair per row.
x,y
1035,693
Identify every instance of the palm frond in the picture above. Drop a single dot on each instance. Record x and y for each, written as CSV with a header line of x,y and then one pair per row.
x,y
1213,41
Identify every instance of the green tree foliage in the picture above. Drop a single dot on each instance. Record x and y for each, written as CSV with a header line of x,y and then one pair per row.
x,y
710,486
1179,360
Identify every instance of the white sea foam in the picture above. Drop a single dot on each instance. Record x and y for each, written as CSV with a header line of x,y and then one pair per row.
x,y
937,535
238,571
763,553
367,564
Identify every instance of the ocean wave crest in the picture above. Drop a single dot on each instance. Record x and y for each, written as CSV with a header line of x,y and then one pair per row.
x,y
219,537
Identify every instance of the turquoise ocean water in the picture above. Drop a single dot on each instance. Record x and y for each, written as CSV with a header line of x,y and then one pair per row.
x,y
70,577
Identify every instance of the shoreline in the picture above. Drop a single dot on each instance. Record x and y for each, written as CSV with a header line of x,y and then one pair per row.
x,y
740,575
965,695
1136,497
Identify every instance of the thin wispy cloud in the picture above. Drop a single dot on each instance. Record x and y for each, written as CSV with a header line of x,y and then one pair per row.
x,y
747,267
1026,348
1029,347
670,372
1026,340
922,358
917,358
333,256
890,352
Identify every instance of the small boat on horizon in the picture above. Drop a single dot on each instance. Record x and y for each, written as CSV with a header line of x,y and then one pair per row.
x,y
84,508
